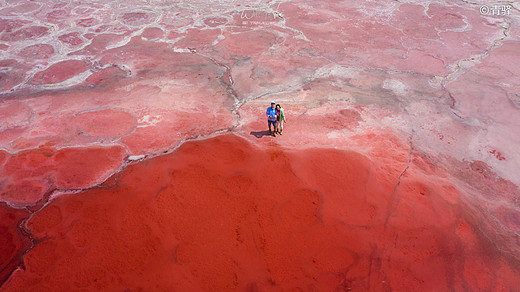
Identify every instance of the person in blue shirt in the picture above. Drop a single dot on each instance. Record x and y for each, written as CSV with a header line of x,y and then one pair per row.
x,y
271,114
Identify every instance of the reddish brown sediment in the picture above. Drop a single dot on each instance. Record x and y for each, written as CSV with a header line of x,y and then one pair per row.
x,y
223,214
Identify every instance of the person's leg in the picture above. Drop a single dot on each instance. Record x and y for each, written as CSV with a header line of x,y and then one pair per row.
x,y
280,127
274,126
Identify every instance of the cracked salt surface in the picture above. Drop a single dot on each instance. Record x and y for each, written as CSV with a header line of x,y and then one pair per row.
x,y
370,78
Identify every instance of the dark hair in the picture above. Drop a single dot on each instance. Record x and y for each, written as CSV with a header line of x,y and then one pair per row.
x,y
278,105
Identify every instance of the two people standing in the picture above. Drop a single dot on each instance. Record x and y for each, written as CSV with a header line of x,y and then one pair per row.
x,y
276,117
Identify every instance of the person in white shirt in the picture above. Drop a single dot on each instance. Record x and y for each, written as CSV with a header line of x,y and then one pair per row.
x,y
280,119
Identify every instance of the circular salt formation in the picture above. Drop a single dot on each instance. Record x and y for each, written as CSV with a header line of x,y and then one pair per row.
x,y
12,74
60,72
71,39
24,8
153,33
105,123
87,22
137,18
26,33
39,51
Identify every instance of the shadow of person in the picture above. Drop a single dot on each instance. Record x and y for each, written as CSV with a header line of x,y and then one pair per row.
x,y
259,134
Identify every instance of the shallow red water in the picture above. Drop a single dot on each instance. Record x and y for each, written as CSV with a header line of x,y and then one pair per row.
x,y
221,214
13,243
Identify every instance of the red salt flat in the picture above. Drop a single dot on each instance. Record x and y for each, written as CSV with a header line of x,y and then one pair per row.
x,y
14,113
13,243
57,15
3,157
221,214
107,76
99,43
153,33
9,25
71,39
29,175
9,135
88,22
196,38
30,32
258,41
79,168
60,72
23,8
374,77
12,74
22,192
39,51
105,123
137,18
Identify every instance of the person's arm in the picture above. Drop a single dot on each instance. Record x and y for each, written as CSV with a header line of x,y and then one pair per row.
x,y
267,112
283,115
